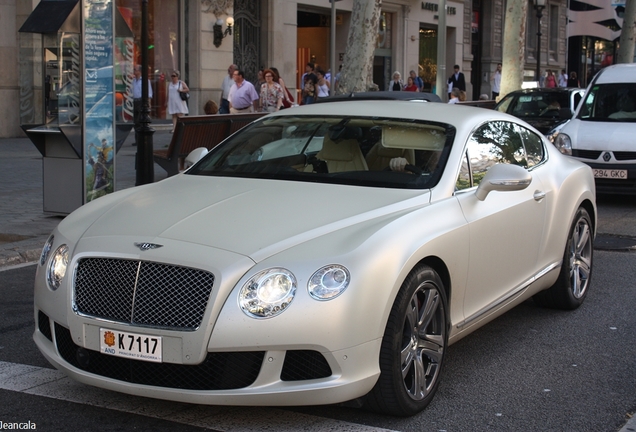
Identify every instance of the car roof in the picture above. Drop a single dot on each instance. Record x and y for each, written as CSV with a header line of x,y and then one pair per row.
x,y
625,72
460,117
544,90
381,95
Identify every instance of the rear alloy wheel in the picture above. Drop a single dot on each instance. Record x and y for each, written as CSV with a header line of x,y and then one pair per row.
x,y
570,289
413,346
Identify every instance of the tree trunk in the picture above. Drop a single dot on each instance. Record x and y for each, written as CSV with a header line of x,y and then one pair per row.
x,y
357,68
513,46
628,34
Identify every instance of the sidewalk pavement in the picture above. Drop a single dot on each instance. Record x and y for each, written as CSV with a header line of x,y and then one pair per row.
x,y
24,228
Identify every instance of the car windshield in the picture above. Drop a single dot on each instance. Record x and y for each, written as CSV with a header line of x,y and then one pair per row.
x,y
331,149
535,104
610,103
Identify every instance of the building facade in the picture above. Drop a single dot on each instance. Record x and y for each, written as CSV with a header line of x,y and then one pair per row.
x,y
192,36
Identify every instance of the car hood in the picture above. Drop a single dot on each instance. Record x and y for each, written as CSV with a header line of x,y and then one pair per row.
x,y
252,217
543,125
594,135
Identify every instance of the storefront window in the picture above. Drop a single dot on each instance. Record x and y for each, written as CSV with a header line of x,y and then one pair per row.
x,y
428,58
163,49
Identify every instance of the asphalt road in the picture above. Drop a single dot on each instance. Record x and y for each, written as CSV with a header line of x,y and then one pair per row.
x,y
532,369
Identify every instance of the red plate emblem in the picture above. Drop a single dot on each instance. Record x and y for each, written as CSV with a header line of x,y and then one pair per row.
x,y
109,338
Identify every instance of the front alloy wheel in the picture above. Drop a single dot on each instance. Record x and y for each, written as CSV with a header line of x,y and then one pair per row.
x,y
413,346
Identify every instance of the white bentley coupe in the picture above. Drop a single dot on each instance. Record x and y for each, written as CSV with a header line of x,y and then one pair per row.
x,y
322,254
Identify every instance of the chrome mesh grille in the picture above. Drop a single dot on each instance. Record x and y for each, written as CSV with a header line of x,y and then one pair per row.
x,y
142,293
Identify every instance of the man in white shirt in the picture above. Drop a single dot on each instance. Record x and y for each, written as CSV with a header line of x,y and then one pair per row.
x,y
243,96
563,79
495,81
228,82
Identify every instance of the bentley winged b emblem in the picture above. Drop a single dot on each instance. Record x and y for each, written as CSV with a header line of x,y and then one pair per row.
x,y
147,246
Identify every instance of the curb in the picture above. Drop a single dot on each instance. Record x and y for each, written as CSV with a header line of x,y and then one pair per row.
x,y
630,426
22,252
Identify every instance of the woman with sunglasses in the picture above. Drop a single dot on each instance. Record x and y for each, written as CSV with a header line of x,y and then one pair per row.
x,y
176,105
271,93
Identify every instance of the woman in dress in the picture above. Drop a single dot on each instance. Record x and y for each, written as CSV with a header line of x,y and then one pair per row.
x,y
271,93
176,106
410,85
550,80
323,84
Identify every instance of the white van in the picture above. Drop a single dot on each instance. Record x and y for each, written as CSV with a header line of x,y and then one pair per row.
x,y
602,132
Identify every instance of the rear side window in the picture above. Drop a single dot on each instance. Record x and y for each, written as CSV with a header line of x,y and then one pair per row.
x,y
535,151
610,103
535,104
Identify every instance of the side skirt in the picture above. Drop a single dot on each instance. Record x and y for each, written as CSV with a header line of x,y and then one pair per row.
x,y
511,296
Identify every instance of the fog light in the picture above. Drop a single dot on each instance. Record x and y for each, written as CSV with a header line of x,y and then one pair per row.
x,y
83,357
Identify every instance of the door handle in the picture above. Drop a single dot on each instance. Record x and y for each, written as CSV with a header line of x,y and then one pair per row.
x,y
539,195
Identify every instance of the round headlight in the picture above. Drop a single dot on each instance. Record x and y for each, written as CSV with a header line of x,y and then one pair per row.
x,y
564,144
46,250
57,267
329,282
267,293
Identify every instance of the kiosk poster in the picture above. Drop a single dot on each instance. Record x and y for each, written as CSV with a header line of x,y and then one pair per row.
x,y
124,67
99,124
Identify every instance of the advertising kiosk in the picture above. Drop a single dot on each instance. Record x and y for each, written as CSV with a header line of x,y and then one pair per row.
x,y
74,84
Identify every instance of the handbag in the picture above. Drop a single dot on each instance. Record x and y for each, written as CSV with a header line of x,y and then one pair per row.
x,y
286,102
183,95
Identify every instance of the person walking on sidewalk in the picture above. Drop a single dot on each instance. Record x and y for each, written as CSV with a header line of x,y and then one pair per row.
x,y
243,96
456,80
228,81
495,81
137,102
177,107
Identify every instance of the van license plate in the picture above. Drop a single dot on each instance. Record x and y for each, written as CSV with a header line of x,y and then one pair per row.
x,y
130,345
610,174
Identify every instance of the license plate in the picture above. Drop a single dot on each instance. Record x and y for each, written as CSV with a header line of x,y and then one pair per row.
x,y
130,345
610,174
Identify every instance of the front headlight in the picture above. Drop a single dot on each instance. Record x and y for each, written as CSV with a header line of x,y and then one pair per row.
x,y
564,144
267,293
57,267
46,250
329,282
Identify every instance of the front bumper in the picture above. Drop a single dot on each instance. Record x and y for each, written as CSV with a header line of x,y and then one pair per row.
x,y
264,376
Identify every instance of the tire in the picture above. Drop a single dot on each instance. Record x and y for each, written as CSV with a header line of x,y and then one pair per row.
x,y
413,347
571,287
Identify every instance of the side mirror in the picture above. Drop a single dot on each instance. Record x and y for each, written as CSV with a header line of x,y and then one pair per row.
x,y
195,156
502,178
